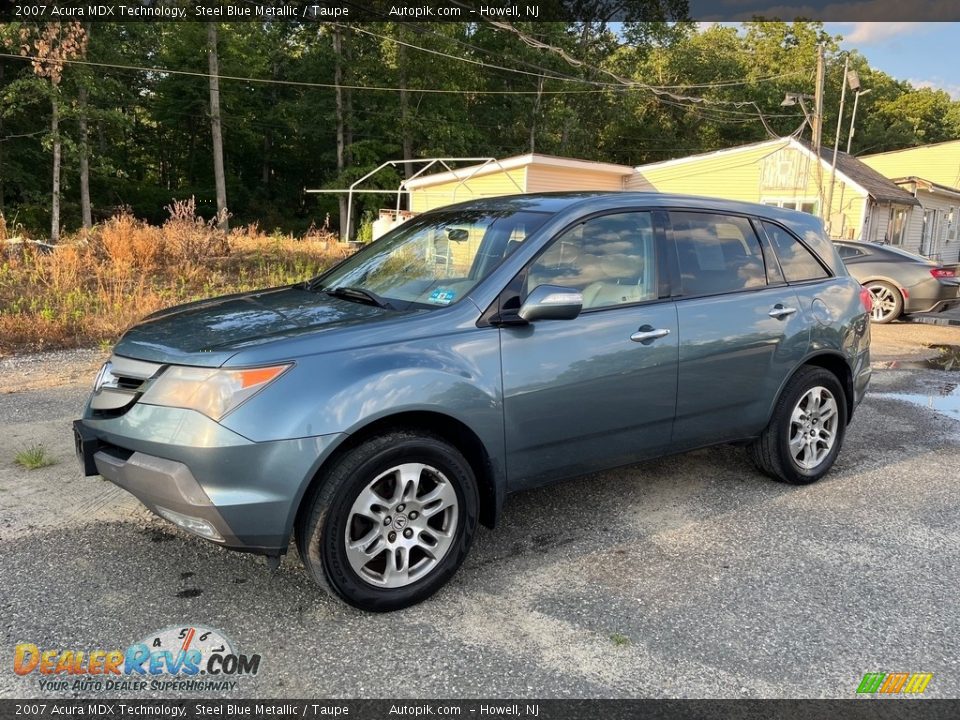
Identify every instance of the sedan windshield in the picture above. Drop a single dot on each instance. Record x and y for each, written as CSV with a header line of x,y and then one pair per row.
x,y
432,260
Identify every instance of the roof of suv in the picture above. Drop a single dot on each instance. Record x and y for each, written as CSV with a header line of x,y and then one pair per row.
x,y
554,202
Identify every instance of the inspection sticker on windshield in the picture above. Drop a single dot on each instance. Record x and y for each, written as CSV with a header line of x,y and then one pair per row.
x,y
442,296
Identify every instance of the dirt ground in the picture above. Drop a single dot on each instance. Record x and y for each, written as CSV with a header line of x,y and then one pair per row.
x,y
686,576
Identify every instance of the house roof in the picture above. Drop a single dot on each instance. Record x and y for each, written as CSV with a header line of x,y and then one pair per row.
x,y
924,184
515,162
914,147
880,188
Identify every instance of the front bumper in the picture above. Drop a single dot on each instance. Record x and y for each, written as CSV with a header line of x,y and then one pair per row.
x,y
208,480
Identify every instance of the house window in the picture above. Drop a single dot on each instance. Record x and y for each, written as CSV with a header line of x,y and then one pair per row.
x,y
951,224
807,205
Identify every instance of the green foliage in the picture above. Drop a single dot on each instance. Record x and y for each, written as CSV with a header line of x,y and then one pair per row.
x,y
34,457
150,140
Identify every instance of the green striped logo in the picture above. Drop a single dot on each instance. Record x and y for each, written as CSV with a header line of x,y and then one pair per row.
x,y
893,683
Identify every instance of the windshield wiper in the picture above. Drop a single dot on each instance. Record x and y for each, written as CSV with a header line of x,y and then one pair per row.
x,y
355,294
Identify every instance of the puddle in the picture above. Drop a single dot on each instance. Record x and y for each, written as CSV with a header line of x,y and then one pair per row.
x,y
948,359
944,399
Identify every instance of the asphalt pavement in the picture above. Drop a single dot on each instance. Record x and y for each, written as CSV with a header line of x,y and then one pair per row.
x,y
689,576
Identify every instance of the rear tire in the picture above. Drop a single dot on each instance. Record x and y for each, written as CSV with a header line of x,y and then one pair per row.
x,y
805,433
391,521
887,302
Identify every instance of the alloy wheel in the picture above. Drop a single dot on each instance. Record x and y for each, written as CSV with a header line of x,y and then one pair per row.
x,y
401,525
884,302
813,427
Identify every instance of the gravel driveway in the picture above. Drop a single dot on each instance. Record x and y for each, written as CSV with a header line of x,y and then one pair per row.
x,y
690,576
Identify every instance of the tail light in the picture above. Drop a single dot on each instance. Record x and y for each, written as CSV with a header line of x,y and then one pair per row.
x,y
943,273
866,299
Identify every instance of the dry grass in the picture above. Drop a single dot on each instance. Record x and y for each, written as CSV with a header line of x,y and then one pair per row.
x,y
90,289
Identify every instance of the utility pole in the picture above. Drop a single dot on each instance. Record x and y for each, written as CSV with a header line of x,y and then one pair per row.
x,y
836,146
817,124
818,103
215,126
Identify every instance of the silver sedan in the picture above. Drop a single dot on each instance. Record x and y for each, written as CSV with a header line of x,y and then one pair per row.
x,y
899,281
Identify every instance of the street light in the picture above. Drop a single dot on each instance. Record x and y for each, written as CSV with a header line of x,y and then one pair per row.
x,y
791,99
853,118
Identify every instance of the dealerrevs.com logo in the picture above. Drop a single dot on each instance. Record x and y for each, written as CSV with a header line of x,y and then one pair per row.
x,y
185,658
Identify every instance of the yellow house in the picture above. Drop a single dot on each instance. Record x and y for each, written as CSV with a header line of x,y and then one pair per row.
x,y
531,173
787,173
937,163
931,173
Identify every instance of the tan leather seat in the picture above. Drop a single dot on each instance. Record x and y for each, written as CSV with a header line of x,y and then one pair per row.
x,y
621,283
603,294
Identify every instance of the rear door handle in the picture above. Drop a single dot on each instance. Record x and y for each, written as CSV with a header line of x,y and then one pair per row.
x,y
647,334
779,312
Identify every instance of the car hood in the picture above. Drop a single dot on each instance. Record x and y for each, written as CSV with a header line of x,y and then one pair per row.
x,y
209,332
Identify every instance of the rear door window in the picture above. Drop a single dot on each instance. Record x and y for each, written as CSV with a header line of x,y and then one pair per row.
x,y
717,253
797,261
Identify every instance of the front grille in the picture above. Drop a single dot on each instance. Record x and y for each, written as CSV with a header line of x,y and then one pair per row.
x,y
120,383
128,383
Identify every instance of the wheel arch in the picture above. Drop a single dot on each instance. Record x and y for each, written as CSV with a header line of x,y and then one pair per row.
x,y
884,279
490,480
832,361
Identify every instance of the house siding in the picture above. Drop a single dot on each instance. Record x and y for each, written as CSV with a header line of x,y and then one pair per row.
x,y
769,172
939,163
545,178
492,184
945,249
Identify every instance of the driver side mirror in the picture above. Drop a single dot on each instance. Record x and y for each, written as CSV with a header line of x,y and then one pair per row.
x,y
551,302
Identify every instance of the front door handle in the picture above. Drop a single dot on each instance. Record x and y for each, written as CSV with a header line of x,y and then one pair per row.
x,y
779,312
647,334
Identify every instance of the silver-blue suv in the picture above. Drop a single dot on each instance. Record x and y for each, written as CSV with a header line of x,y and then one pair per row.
x,y
378,412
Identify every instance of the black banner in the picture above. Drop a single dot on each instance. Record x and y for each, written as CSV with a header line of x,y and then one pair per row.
x,y
610,11
222,709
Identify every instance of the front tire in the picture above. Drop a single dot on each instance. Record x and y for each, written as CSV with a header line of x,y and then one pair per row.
x,y
887,302
805,433
391,521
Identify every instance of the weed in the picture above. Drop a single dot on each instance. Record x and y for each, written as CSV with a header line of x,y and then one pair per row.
x,y
34,457
96,284
619,640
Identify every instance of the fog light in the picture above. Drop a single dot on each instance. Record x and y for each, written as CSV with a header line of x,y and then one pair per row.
x,y
195,525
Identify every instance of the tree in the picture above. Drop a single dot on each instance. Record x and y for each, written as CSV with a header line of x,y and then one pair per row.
x,y
51,46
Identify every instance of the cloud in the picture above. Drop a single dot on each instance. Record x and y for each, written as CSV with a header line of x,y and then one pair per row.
x,y
953,89
850,12
869,33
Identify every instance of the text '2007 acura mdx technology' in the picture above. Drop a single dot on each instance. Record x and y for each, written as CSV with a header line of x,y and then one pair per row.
x,y
378,412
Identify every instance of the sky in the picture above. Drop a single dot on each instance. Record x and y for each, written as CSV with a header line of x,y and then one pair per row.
x,y
925,53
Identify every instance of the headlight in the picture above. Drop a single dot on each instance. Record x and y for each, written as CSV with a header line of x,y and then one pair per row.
x,y
212,391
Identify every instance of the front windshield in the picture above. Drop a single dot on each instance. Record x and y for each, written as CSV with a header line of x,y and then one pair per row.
x,y
435,259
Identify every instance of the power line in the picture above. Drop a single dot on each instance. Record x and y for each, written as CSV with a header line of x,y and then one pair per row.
x,y
553,74
660,93
302,83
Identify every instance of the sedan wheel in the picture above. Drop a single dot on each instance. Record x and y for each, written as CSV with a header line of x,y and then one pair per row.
x,y
887,302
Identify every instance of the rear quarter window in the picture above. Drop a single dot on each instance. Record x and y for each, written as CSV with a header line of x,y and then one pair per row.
x,y
847,252
797,262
